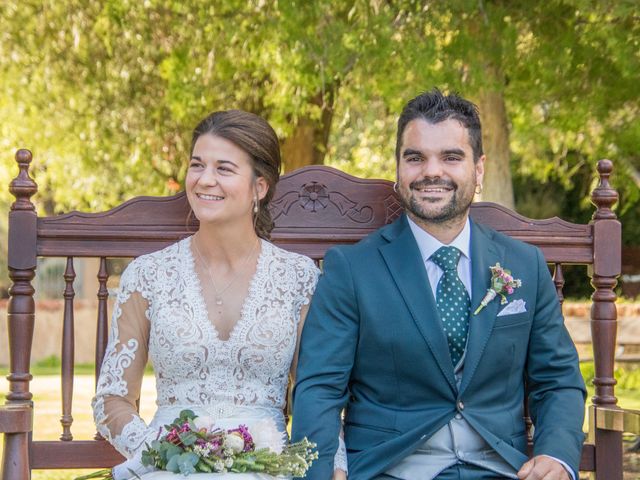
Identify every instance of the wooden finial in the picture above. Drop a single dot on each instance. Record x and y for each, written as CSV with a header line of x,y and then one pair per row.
x,y
23,187
604,196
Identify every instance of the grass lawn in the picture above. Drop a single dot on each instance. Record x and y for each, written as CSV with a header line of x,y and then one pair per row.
x,y
46,392
627,398
46,395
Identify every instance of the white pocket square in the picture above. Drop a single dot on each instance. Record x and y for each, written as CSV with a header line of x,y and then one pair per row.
x,y
517,306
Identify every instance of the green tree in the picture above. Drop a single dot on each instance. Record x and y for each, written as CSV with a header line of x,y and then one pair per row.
x,y
107,91
550,78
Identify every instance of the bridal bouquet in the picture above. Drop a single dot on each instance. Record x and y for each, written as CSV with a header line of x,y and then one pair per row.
x,y
194,444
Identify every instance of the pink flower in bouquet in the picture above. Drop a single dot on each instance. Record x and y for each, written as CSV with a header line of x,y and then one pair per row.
x,y
173,437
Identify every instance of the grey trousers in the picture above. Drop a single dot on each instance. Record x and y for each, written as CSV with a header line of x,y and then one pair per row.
x,y
457,472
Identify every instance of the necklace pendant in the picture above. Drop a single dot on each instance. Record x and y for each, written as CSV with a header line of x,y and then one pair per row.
x,y
218,301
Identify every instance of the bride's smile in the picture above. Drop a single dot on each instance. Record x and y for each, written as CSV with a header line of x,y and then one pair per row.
x,y
220,183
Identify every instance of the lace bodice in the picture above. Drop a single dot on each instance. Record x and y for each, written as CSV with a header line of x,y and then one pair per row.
x,y
160,313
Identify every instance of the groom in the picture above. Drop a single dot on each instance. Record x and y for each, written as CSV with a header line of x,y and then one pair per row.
x,y
433,382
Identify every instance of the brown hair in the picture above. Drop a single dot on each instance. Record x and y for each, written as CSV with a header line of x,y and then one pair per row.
x,y
435,107
255,136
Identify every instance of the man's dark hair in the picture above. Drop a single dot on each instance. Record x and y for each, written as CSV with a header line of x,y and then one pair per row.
x,y
435,107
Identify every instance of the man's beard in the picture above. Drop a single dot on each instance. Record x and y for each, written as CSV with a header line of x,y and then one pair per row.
x,y
456,208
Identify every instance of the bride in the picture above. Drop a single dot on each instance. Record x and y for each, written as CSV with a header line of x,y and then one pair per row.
x,y
219,313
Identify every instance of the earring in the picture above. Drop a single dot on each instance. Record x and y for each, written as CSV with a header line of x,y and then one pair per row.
x,y
255,213
478,189
395,187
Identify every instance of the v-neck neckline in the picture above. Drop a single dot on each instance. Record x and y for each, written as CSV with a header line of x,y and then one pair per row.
x,y
202,304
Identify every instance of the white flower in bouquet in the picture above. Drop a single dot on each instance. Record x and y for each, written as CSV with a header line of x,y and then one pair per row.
x,y
266,435
218,466
234,442
203,422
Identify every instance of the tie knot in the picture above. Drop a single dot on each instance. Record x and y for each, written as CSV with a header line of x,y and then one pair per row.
x,y
446,258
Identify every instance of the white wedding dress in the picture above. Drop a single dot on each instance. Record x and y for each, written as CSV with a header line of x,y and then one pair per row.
x,y
161,314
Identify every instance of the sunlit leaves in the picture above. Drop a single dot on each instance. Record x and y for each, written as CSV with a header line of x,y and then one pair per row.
x,y
106,92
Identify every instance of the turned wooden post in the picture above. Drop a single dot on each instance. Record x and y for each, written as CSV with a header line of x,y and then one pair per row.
x,y
604,273
68,352
20,312
102,331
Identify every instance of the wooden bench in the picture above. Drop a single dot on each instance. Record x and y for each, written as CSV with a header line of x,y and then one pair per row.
x,y
314,208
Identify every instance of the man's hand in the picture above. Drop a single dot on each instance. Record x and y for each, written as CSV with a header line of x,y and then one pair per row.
x,y
543,468
339,474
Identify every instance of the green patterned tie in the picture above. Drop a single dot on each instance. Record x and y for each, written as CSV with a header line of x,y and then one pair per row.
x,y
452,301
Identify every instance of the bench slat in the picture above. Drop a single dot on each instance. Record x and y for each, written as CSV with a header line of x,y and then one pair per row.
x,y
46,455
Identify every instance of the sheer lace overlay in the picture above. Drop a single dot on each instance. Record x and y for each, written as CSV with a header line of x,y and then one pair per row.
x,y
160,312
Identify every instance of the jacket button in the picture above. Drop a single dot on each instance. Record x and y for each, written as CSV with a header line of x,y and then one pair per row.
x,y
460,405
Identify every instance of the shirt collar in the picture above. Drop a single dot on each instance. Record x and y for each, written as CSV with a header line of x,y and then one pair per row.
x,y
428,244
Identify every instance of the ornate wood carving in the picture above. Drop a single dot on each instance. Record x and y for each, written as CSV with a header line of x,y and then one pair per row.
x,y
314,197
393,208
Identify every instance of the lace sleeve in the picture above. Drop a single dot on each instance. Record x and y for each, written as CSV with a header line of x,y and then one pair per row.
x,y
118,389
340,458
307,277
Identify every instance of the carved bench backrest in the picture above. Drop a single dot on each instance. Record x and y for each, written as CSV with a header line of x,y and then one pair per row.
x,y
314,208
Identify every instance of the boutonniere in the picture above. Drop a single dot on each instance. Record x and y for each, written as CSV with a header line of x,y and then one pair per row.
x,y
502,283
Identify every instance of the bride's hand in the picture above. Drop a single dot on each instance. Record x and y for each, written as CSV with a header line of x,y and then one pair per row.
x,y
339,475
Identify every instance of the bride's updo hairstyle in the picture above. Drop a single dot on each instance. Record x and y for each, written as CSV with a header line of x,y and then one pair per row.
x,y
256,137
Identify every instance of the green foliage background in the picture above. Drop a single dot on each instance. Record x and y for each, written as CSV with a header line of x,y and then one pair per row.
x,y
106,92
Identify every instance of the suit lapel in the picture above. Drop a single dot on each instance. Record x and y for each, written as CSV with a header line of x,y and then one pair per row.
x,y
484,254
404,261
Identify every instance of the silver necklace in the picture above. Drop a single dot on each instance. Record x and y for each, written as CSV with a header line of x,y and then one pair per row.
x,y
218,293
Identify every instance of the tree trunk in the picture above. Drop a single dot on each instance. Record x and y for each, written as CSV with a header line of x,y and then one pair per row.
x,y
307,145
498,186
300,148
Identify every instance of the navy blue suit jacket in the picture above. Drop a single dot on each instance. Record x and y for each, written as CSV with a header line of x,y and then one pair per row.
x,y
373,343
